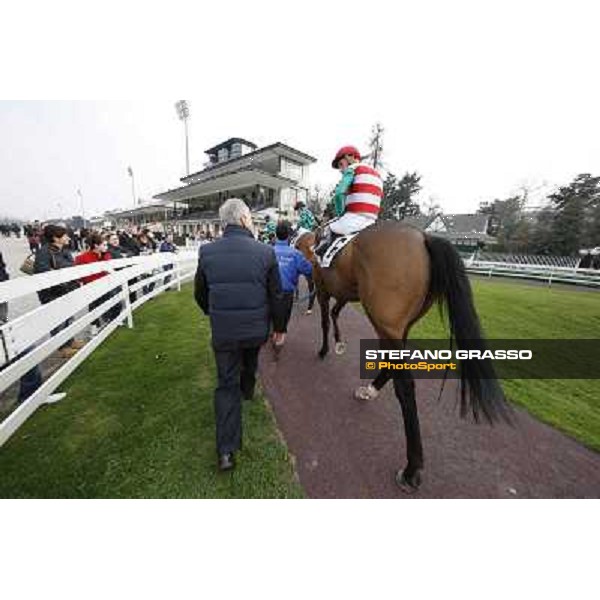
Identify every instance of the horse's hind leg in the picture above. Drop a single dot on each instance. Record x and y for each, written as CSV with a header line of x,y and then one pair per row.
x,y
409,480
340,347
312,295
324,306
371,391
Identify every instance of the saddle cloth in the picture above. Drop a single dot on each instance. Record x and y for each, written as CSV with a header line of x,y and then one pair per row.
x,y
338,245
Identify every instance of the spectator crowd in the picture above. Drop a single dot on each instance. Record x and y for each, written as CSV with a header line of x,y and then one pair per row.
x,y
55,247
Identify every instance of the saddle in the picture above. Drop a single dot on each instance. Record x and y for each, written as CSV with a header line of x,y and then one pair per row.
x,y
336,247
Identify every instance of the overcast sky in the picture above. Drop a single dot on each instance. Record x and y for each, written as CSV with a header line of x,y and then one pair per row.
x,y
479,98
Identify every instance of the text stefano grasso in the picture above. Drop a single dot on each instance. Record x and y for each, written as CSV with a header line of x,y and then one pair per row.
x,y
448,354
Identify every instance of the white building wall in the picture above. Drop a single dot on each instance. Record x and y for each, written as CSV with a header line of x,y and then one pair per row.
x,y
289,197
305,183
286,201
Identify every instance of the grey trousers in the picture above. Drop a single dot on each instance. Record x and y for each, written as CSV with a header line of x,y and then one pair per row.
x,y
236,373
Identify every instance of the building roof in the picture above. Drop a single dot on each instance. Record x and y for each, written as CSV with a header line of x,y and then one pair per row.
x,y
467,223
418,221
456,227
250,157
229,180
228,143
143,209
453,224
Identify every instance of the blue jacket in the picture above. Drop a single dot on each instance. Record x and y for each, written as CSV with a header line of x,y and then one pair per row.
x,y
291,265
167,247
237,284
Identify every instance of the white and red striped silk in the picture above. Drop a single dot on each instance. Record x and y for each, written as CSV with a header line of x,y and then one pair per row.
x,y
366,191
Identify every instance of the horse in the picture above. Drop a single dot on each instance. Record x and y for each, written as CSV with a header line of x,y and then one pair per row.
x,y
397,273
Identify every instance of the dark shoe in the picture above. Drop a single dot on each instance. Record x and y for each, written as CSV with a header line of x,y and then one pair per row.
x,y
226,462
277,348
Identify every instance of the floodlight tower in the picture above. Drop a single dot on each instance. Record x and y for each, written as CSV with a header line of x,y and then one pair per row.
x,y
130,172
183,112
82,206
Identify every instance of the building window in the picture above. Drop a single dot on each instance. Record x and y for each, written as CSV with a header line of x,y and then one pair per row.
x,y
291,169
223,154
236,150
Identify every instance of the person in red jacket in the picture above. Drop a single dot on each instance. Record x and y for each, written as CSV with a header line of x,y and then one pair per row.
x,y
97,251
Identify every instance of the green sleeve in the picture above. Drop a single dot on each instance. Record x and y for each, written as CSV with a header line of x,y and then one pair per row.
x,y
339,198
307,221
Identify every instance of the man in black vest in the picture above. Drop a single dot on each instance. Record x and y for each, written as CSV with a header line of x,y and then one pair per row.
x,y
237,285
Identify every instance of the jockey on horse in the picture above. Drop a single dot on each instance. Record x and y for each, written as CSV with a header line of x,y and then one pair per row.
x,y
306,225
357,197
396,294
306,220
268,232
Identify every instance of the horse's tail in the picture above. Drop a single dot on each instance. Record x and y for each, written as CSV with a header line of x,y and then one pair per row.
x,y
480,391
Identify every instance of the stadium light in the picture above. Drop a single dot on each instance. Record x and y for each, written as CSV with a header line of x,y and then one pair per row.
x,y
130,171
82,206
183,112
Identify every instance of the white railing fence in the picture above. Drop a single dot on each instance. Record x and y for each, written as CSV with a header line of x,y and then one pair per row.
x,y
547,273
26,341
529,259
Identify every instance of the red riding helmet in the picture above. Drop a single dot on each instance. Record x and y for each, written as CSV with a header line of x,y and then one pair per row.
x,y
351,150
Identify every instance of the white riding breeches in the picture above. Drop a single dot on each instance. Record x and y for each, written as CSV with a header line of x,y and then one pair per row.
x,y
352,222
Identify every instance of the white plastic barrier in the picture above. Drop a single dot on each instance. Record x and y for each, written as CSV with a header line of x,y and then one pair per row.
x,y
547,273
26,341
530,259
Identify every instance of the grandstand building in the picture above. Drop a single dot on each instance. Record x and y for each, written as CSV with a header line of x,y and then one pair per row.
x,y
153,215
270,180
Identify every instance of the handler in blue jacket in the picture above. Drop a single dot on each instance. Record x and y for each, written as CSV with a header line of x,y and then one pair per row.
x,y
292,264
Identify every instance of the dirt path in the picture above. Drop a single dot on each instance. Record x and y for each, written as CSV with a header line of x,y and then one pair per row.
x,y
348,449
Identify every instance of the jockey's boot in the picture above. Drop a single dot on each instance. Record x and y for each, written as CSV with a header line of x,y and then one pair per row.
x,y
325,242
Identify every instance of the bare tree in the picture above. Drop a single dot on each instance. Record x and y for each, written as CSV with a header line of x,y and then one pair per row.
x,y
376,145
318,198
431,206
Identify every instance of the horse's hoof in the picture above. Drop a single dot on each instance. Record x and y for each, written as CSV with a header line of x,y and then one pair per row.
x,y
408,484
340,348
322,354
366,392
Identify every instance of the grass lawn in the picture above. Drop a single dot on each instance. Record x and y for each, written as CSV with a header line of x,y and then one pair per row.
x,y
138,422
510,310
